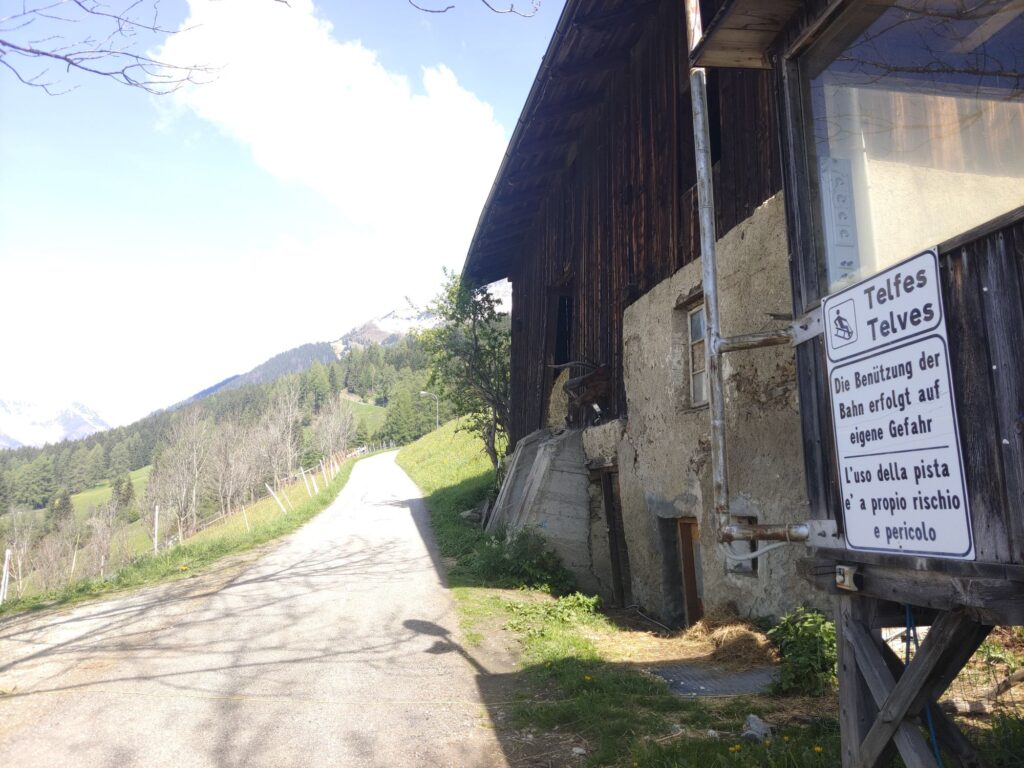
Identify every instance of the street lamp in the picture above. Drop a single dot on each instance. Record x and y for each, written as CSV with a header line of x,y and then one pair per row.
x,y
437,407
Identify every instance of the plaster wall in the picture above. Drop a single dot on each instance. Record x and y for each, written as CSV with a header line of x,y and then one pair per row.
x,y
664,452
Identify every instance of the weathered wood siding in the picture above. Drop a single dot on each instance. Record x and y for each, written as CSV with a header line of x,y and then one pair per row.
x,y
623,216
983,292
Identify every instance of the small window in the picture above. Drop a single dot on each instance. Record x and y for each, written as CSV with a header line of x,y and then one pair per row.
x,y
698,374
915,122
747,566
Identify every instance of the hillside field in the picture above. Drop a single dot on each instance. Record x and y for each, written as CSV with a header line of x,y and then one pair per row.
x,y
371,416
100,494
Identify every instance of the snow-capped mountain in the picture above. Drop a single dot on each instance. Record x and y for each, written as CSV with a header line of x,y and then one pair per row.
x,y
389,328
386,329
24,423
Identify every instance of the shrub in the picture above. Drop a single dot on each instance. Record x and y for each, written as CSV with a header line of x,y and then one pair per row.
x,y
519,559
807,644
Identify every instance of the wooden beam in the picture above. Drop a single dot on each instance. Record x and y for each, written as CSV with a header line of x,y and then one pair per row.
x,y
915,688
543,143
508,228
566,108
523,182
880,681
856,707
618,59
951,737
634,11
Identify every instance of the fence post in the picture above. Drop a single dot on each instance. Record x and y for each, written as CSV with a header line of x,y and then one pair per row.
x,y
283,510
305,481
156,529
6,578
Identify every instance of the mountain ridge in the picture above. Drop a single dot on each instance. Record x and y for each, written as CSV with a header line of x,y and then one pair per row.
x,y
31,424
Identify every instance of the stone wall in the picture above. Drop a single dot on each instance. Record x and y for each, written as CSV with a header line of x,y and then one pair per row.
x,y
664,452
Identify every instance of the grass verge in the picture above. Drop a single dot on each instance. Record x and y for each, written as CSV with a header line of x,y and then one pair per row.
x,y
191,556
568,687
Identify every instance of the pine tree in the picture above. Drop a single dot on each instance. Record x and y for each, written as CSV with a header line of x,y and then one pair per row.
x,y
120,462
95,466
332,378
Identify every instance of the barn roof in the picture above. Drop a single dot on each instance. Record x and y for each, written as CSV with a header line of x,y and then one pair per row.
x,y
591,43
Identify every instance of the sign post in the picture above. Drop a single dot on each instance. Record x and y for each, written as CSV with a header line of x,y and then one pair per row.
x,y
893,414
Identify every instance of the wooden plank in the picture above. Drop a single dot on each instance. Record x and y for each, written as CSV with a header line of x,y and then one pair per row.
x,y
1002,301
880,681
971,369
742,31
950,737
914,689
559,109
856,708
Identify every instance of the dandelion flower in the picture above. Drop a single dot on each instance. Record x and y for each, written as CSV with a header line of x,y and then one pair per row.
x,y
818,748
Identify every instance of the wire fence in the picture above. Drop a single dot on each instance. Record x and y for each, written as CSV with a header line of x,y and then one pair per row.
x,y
986,699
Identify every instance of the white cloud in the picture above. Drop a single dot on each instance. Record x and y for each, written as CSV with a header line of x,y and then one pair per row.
x,y
407,166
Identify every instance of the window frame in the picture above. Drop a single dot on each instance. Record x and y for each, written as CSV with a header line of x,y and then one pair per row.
x,y
697,310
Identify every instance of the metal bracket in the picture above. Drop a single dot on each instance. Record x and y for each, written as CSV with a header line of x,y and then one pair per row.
x,y
823,533
807,327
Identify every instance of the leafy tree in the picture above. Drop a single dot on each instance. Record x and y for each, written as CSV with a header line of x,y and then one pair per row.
x,y
362,434
469,354
122,491
61,509
34,482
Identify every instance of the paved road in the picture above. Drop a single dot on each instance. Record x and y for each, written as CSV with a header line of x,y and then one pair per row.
x,y
330,649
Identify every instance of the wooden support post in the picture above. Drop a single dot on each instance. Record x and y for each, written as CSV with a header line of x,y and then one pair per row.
x,y
911,744
156,529
305,481
952,739
873,680
856,707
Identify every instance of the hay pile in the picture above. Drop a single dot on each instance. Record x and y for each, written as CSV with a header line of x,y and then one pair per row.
x,y
720,638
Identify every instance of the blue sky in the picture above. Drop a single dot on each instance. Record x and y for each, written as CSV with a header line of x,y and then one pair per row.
x,y
152,246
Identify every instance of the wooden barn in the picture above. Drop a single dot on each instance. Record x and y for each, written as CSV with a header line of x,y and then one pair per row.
x,y
767,260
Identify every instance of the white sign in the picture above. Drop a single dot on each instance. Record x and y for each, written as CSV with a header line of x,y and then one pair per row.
x,y
893,414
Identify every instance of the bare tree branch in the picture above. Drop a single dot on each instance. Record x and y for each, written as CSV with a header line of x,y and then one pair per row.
x,y
535,6
93,38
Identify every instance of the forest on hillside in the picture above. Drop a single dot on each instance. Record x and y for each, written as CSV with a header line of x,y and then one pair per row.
x,y
391,377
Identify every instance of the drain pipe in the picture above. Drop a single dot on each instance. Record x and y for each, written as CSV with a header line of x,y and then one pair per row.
x,y
706,217
715,344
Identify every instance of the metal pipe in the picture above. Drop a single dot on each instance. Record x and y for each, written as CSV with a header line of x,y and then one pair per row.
x,y
790,532
712,323
754,340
